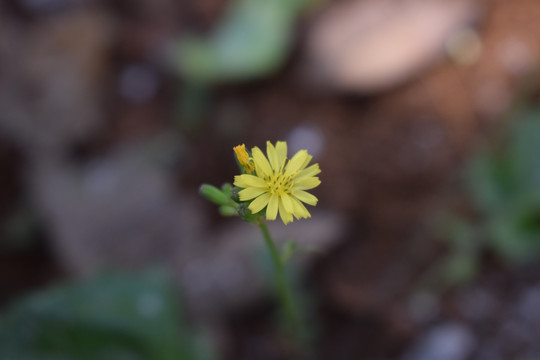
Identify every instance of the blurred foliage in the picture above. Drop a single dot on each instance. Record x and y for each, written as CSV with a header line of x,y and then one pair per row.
x,y
251,40
503,184
288,250
113,316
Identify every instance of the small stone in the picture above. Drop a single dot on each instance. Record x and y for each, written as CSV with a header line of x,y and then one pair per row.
x,y
528,306
450,341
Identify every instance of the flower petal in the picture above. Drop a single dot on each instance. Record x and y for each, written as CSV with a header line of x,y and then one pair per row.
x,y
307,183
306,197
260,161
250,193
287,203
259,203
245,181
306,162
286,216
281,150
309,171
258,171
272,209
300,211
272,156
296,162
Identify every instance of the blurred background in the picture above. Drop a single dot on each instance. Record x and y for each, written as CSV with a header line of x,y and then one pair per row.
x,y
424,117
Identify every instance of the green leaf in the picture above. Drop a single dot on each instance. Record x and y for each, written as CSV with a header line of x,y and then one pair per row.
x,y
524,150
504,184
515,236
251,41
485,183
113,316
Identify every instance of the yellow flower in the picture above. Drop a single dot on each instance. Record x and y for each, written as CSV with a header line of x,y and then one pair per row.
x,y
279,184
243,158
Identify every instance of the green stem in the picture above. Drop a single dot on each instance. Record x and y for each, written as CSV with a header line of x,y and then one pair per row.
x,y
288,310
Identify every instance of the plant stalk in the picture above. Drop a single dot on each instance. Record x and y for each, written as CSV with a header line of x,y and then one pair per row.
x,y
289,312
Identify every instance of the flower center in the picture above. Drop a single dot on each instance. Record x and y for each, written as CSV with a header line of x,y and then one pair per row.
x,y
279,183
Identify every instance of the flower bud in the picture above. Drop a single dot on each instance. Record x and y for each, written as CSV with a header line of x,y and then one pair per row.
x,y
244,159
234,194
227,210
214,195
245,213
227,189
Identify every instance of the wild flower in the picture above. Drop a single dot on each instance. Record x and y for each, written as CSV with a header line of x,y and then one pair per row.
x,y
275,183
